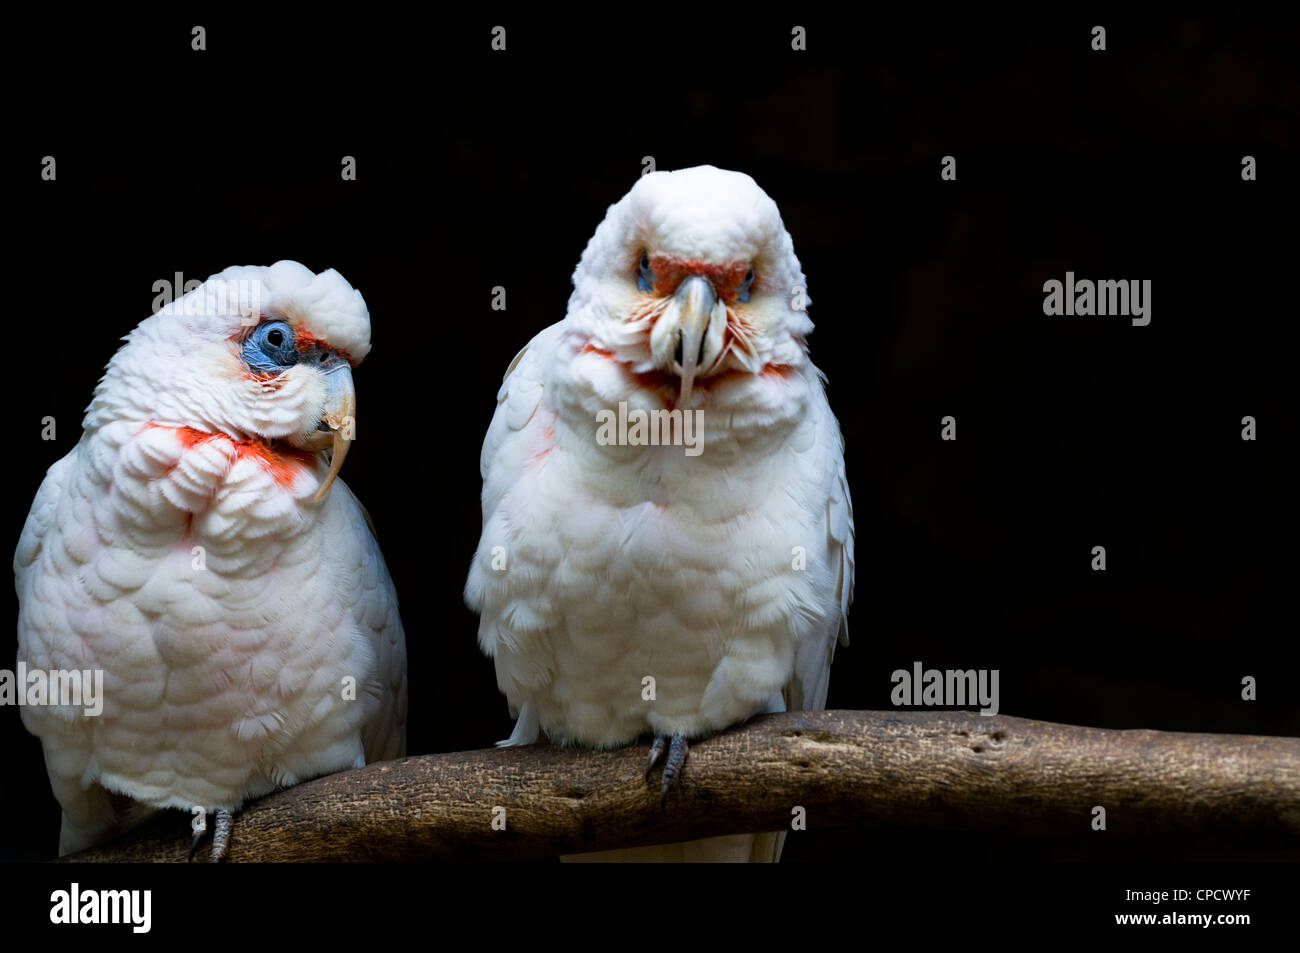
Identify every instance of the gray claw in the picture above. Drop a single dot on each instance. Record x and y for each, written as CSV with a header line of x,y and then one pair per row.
x,y
198,839
677,749
656,752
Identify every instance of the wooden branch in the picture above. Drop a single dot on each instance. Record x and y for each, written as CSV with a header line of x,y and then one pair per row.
x,y
845,768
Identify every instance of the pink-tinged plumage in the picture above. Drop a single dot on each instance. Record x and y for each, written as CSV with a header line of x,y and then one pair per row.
x,y
625,561
180,548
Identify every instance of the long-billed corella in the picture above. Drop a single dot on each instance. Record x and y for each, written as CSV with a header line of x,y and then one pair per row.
x,y
196,548
628,587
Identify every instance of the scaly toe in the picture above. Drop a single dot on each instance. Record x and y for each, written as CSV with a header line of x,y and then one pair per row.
x,y
225,822
677,751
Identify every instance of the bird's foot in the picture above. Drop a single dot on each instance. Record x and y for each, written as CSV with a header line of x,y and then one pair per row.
x,y
223,824
677,750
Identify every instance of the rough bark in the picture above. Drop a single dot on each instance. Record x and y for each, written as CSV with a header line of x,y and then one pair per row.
x,y
844,768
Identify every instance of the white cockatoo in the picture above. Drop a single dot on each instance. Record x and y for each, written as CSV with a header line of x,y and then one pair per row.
x,y
191,548
669,587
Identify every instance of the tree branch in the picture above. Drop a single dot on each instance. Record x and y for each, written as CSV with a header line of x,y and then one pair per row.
x,y
845,768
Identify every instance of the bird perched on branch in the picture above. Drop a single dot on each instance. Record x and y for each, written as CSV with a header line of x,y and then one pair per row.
x,y
196,548
667,545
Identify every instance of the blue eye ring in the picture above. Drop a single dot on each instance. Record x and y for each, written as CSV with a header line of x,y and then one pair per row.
x,y
270,348
645,276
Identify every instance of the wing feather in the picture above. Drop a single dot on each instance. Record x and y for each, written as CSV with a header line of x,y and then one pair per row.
x,y
811,679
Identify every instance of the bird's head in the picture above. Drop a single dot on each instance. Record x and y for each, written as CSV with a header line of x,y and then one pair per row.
x,y
260,354
692,276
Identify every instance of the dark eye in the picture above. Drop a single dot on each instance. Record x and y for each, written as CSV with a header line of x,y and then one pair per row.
x,y
269,349
742,292
645,276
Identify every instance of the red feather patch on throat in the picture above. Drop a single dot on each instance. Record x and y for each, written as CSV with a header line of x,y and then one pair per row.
x,y
283,462
668,385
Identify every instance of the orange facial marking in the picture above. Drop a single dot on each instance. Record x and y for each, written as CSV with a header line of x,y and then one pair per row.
x,y
670,272
304,340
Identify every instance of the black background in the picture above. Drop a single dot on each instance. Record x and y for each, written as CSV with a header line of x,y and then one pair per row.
x,y
478,169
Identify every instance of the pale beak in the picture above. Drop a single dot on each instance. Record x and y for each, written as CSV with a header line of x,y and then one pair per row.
x,y
695,300
339,414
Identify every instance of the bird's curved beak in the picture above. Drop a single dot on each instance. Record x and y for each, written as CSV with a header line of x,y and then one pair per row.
x,y
338,421
695,301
